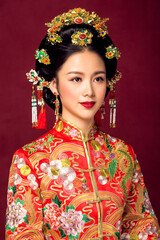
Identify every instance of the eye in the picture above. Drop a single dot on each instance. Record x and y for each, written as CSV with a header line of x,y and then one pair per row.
x,y
99,79
77,79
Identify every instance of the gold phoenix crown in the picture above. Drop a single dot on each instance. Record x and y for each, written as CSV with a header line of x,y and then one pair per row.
x,y
75,16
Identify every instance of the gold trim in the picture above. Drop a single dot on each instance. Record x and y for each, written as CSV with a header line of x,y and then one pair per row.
x,y
82,134
97,198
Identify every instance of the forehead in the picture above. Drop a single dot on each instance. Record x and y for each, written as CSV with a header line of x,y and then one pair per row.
x,y
85,61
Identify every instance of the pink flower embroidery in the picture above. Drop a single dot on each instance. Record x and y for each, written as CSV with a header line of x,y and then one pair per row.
x,y
52,212
73,132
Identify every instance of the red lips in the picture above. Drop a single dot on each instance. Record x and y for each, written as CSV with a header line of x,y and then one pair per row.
x,y
87,104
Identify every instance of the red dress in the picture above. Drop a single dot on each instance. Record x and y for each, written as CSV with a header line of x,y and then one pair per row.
x,y
67,186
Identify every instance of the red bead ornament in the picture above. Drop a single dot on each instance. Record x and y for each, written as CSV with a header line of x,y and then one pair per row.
x,y
82,36
78,20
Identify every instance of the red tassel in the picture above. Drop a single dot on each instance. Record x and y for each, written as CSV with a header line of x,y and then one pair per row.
x,y
97,118
42,123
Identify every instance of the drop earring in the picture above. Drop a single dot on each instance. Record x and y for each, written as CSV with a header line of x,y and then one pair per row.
x,y
112,103
57,106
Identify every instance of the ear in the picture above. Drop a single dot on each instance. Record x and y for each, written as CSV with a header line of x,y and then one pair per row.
x,y
53,86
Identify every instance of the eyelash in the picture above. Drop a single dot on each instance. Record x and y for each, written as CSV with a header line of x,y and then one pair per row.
x,y
79,79
76,78
101,79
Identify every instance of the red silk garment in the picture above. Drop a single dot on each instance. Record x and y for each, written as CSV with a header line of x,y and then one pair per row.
x,y
67,186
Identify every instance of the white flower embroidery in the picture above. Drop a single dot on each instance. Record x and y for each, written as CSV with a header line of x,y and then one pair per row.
x,y
112,139
143,236
67,173
20,161
33,184
102,180
17,179
135,177
125,236
56,171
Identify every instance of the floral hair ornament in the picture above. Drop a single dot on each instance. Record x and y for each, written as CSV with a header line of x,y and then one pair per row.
x,y
33,77
42,56
112,52
82,38
75,16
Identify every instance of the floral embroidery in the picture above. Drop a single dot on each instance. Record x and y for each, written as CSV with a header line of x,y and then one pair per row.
x,y
33,184
72,132
135,177
17,179
16,215
147,204
69,210
58,170
71,222
51,214
20,161
100,140
125,236
39,144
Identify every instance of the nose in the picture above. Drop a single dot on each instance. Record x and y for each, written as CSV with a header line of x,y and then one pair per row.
x,y
88,89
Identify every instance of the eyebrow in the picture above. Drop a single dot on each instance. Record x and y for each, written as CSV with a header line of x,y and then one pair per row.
x,y
81,73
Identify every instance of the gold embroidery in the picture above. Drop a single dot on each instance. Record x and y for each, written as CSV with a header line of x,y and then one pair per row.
x,y
29,206
65,162
96,145
59,126
25,170
104,172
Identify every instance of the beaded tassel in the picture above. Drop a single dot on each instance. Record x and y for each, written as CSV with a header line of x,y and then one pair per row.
x,y
112,103
34,108
42,123
57,106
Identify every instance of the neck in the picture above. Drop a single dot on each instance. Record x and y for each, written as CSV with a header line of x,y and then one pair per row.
x,y
83,124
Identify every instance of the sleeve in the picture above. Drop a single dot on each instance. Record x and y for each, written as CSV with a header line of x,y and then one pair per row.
x,y
24,218
139,220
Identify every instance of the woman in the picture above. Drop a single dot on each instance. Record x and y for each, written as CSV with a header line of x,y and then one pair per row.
x,y
77,182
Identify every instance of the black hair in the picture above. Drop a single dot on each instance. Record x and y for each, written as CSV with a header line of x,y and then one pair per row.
x,y
60,52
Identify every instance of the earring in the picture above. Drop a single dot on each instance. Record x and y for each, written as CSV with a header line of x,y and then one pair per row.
x,y
112,103
34,108
102,110
57,106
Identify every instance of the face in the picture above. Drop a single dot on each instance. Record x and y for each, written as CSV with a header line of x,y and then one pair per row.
x,y
81,86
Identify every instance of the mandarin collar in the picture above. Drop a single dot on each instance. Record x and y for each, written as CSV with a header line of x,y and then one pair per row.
x,y
71,131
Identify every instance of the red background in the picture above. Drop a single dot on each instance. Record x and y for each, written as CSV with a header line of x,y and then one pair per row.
x,y
134,28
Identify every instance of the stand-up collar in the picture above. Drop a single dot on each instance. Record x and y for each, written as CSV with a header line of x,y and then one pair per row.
x,y
71,131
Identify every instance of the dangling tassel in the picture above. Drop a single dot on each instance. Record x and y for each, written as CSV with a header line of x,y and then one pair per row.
x,y
102,110
42,123
57,106
34,108
97,118
112,103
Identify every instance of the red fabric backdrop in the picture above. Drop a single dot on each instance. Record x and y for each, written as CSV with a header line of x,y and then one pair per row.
x,y
134,27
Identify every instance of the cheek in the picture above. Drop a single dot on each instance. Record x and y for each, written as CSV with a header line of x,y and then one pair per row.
x,y
101,92
67,93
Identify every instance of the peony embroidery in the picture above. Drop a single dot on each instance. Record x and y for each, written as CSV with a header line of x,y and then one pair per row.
x,y
16,215
71,222
51,214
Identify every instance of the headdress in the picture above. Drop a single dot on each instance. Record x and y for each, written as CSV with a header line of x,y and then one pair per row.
x,y
82,38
